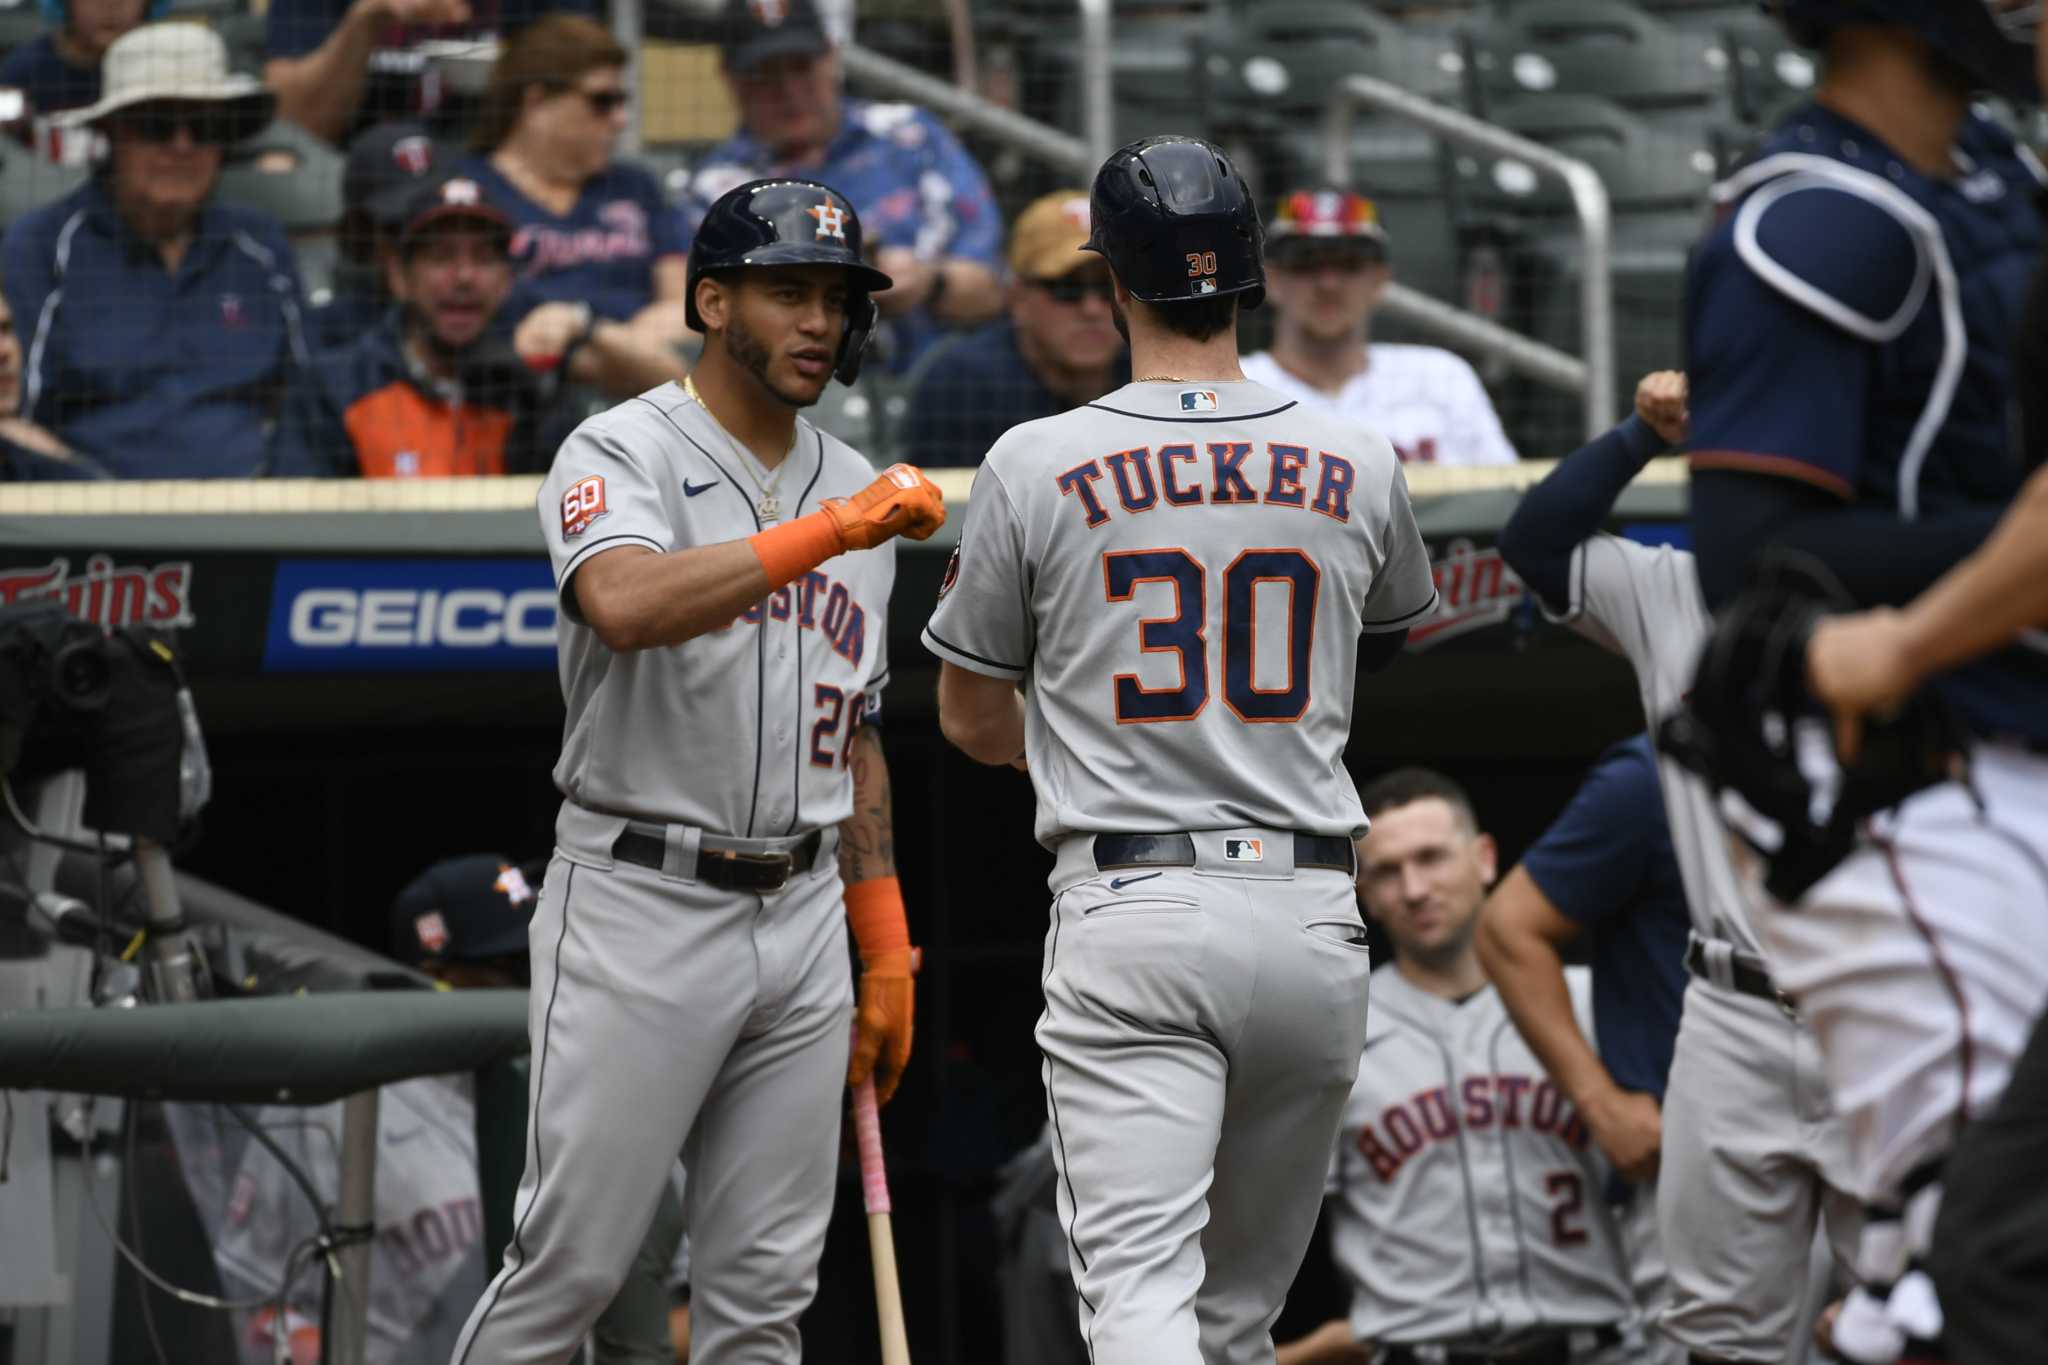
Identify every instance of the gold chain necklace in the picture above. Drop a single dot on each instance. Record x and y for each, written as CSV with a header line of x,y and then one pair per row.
x,y
769,506
1161,379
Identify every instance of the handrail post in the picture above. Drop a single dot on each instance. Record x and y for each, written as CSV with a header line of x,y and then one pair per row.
x,y
1098,107
1589,203
629,28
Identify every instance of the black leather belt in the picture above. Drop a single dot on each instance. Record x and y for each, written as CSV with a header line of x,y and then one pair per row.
x,y
1555,1350
724,866
1745,978
1330,851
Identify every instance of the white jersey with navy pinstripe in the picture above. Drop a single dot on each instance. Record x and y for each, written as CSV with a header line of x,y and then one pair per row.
x,y
1644,601
1181,571
743,731
1467,1203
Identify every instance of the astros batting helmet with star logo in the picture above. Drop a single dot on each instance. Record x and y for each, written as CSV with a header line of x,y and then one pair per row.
x,y
789,222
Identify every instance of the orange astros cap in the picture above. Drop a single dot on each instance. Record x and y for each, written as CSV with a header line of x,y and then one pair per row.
x,y
1046,241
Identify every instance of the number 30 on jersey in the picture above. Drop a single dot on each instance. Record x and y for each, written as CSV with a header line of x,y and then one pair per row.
x,y
1185,633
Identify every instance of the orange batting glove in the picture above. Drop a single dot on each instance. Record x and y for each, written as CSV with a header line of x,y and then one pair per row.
x,y
887,1006
902,502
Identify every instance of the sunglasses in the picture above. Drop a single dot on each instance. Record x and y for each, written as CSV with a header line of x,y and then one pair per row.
x,y
603,103
1074,291
208,125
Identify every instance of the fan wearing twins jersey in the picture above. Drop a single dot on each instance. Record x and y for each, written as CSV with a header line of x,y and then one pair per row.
x,y
724,570
1181,571
1753,1155
1465,1205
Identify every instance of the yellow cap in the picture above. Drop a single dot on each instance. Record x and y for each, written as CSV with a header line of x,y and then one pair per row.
x,y
1046,241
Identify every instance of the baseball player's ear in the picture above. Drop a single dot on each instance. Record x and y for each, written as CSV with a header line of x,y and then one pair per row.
x,y
711,301
1488,853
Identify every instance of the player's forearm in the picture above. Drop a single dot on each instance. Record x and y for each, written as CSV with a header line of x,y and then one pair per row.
x,y
1993,596
1570,504
322,90
1330,1344
980,716
1528,971
635,599
1880,559
867,838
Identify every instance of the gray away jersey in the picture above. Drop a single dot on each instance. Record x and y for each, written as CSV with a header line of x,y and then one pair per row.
x,y
743,731
1181,573
1644,601
1467,1194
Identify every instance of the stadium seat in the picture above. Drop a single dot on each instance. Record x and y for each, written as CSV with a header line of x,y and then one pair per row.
x,y
1770,71
1607,48
1643,168
288,173
27,182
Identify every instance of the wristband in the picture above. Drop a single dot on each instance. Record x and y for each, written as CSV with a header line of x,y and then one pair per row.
x,y
791,550
874,910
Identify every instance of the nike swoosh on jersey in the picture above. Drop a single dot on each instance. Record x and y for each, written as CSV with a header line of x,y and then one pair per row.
x,y
691,490
1119,883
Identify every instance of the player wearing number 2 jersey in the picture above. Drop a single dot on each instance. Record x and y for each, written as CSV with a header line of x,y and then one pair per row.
x,y
1181,572
1465,1202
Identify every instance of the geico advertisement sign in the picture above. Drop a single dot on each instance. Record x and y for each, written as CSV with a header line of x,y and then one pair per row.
x,y
411,614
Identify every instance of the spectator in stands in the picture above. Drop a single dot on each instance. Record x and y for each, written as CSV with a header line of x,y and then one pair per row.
x,y
922,199
28,451
433,390
339,66
165,327
585,227
60,69
1058,349
387,166
1326,268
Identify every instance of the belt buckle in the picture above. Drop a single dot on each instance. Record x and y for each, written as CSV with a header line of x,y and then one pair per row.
x,y
776,868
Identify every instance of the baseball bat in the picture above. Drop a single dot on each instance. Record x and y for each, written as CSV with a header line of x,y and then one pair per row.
x,y
874,1185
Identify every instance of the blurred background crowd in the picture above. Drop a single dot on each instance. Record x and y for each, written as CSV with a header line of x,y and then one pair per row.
x,y
396,238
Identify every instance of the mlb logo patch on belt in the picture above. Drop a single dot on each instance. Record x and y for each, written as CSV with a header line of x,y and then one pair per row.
x,y
1198,400
1244,850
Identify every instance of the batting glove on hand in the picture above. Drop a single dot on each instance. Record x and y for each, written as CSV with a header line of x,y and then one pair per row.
x,y
883,1019
902,502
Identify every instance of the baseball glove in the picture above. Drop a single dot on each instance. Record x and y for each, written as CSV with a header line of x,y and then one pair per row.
x,y
1751,725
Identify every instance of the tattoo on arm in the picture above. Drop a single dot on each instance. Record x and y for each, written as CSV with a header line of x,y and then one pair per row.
x,y
867,838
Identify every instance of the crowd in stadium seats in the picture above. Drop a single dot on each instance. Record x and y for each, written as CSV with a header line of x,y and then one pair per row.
x,y
201,279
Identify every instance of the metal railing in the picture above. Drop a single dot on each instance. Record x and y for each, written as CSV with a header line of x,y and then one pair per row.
x,y
1594,376
967,109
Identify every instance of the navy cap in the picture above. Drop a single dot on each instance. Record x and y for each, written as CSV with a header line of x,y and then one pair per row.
x,y
386,168
465,910
757,30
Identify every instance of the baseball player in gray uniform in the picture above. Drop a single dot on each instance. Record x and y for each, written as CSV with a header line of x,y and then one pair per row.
x,y
1750,1142
1466,1208
1181,572
724,570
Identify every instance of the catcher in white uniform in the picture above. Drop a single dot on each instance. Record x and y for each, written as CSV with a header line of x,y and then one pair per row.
x,y
1466,1207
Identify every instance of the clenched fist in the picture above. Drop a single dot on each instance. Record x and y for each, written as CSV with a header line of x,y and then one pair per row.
x,y
1661,401
902,502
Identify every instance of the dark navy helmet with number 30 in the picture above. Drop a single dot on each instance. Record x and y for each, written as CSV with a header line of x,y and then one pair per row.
x,y
1990,41
789,222
1176,221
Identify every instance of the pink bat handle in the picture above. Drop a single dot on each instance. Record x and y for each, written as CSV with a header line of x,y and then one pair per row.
x,y
867,1135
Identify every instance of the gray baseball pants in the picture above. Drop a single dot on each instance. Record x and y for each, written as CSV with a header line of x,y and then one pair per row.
x,y
666,1015
1202,1028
